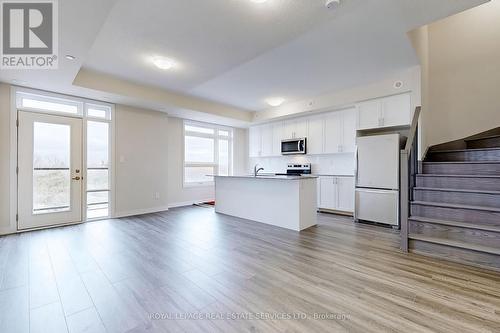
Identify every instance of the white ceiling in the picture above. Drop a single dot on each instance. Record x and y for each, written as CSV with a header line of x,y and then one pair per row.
x,y
237,52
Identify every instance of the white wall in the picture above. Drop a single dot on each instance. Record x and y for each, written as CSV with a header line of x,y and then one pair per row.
x,y
141,164
460,59
332,164
177,193
5,223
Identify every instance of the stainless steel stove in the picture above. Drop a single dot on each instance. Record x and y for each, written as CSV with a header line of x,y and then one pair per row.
x,y
297,170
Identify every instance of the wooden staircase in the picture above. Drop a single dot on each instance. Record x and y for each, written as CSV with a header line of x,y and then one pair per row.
x,y
455,211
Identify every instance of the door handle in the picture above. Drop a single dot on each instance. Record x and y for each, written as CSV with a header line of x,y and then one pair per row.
x,y
76,178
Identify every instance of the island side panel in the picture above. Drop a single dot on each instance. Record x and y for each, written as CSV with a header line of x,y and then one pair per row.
x,y
269,201
308,203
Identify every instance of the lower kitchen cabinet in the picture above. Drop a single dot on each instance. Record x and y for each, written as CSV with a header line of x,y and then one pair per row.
x,y
336,193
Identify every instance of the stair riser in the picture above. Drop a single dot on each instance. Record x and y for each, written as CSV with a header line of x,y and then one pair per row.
x,y
472,199
463,256
472,236
466,183
484,143
463,169
457,214
465,156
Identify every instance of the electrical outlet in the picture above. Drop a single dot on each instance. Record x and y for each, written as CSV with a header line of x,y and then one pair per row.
x,y
157,195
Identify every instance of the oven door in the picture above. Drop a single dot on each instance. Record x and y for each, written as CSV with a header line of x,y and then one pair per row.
x,y
293,146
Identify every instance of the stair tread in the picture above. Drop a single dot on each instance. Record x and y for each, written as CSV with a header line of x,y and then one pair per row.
x,y
484,138
456,190
454,243
463,162
448,205
462,150
456,223
455,175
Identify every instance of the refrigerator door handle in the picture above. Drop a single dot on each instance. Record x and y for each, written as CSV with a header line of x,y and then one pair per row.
x,y
357,168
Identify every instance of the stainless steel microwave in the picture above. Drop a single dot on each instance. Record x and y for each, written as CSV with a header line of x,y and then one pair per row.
x,y
293,146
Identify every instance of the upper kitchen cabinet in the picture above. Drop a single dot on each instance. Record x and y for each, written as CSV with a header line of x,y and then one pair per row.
x,y
349,131
384,112
340,132
369,114
333,133
315,136
295,128
255,141
277,137
397,110
267,140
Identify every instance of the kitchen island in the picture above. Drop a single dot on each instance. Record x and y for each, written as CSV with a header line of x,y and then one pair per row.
x,y
285,201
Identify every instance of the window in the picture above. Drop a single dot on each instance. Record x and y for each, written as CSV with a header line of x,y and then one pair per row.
x,y
51,168
48,104
98,175
98,111
207,151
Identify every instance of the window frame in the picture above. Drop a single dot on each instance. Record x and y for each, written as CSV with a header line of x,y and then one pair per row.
x,y
216,137
17,95
110,168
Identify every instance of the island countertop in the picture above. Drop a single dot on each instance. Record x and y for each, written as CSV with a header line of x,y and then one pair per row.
x,y
271,176
287,201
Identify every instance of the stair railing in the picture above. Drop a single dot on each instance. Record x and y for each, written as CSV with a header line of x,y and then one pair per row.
x,y
408,174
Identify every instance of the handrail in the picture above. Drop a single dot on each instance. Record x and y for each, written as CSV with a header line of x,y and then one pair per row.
x,y
413,129
408,169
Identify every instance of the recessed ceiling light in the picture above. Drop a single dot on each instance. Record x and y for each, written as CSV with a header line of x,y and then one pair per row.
x,y
70,57
258,1
275,101
163,63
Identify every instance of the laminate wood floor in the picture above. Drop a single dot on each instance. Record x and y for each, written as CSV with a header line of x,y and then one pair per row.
x,y
192,270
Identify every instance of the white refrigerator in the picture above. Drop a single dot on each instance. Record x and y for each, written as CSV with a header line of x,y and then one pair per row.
x,y
377,179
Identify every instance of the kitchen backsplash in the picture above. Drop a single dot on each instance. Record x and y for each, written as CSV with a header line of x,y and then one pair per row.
x,y
334,164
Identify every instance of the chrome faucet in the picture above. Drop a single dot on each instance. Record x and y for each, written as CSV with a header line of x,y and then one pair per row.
x,y
256,171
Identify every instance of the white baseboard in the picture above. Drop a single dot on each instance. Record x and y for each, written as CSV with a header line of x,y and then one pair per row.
x,y
7,231
187,203
140,211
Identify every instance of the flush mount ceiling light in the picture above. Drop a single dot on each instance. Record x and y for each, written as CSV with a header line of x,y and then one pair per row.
x,y
163,63
275,101
70,57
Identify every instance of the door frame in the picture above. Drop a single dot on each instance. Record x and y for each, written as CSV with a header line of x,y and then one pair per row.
x,y
14,90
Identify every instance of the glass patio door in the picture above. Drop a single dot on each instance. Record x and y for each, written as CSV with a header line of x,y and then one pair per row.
x,y
50,170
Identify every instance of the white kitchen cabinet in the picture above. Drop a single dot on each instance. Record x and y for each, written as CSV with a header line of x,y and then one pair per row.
x,y
385,112
369,114
315,136
254,141
396,110
328,193
301,128
340,132
267,140
295,129
333,133
349,131
336,193
345,188
277,137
